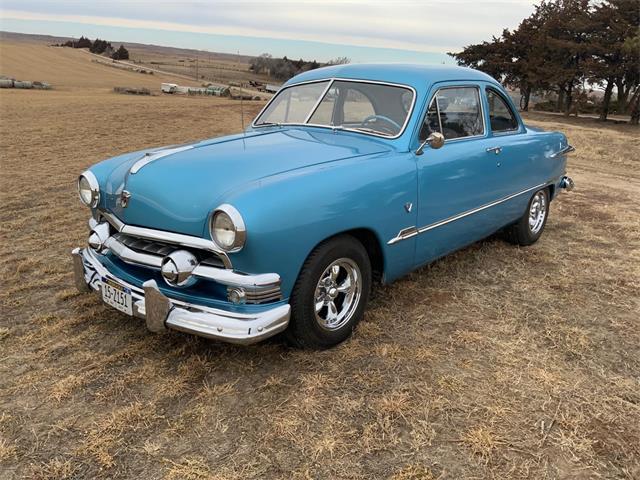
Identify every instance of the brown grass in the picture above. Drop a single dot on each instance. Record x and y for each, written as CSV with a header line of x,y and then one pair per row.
x,y
495,362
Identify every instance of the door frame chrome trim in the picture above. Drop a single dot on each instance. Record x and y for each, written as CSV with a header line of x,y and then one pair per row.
x,y
410,232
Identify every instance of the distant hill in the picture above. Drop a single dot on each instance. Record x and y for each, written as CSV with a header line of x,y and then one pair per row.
x,y
149,49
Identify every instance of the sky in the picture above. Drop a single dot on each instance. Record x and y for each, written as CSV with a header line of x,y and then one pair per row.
x,y
364,31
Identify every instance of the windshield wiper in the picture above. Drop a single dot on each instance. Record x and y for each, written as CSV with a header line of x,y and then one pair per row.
x,y
371,130
268,124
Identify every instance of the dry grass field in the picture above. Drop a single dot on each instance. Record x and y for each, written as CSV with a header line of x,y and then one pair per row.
x,y
208,66
495,362
70,69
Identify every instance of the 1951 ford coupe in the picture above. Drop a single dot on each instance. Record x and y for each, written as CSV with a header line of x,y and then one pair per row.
x,y
350,174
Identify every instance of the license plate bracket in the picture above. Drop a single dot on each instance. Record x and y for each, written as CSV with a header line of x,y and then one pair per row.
x,y
117,296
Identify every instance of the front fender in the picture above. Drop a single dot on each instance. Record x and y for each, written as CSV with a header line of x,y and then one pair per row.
x,y
289,214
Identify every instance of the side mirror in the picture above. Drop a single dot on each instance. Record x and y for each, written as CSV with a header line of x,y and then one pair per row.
x,y
435,140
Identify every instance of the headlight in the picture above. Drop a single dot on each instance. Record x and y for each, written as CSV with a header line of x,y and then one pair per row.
x,y
88,189
227,228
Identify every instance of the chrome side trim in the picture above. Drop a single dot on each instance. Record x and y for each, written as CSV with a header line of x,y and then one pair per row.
x,y
168,237
153,156
413,231
403,234
331,80
564,151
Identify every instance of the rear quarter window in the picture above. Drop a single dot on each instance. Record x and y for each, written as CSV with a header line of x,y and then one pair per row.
x,y
501,117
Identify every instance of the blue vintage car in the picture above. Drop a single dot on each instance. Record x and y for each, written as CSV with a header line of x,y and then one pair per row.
x,y
350,174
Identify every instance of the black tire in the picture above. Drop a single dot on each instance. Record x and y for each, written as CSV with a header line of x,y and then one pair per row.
x,y
304,330
521,233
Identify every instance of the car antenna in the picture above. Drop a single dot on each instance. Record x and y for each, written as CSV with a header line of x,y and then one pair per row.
x,y
241,99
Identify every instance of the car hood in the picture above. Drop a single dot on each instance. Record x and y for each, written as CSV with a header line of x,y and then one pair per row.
x,y
180,186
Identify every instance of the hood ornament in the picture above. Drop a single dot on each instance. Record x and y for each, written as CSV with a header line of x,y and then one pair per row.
x,y
124,198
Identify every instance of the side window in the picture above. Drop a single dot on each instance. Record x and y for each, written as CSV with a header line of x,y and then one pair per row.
x,y
500,114
455,112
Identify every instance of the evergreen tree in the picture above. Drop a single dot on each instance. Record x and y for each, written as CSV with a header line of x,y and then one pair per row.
x,y
121,54
562,45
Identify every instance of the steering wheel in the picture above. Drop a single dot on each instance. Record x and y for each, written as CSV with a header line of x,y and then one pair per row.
x,y
391,131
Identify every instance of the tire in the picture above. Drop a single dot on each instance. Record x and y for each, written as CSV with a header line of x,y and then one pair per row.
x,y
342,257
529,228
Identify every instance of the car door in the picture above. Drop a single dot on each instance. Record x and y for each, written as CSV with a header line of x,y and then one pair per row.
x,y
512,153
458,181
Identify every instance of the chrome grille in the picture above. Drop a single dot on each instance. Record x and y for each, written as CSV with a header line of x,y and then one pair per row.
x,y
147,248
161,249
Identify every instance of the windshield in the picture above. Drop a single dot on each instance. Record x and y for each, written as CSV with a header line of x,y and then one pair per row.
x,y
371,108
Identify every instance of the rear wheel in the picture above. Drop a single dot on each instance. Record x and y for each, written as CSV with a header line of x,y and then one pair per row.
x,y
330,295
529,228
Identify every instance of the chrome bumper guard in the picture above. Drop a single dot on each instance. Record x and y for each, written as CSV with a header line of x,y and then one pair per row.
x,y
161,312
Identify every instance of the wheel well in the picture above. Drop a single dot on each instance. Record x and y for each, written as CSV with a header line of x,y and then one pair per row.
x,y
370,242
552,192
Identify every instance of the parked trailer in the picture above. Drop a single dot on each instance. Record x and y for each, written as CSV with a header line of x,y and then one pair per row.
x,y
169,87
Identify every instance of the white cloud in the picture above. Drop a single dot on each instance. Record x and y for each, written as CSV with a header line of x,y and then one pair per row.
x,y
428,26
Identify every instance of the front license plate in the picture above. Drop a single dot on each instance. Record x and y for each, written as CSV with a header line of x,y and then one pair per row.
x,y
116,295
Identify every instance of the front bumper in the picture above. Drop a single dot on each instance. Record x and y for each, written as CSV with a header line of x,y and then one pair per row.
x,y
161,312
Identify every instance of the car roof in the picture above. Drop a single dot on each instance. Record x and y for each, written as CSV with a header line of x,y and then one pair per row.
x,y
415,75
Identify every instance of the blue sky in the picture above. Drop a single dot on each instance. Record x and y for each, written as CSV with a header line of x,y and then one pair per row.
x,y
365,31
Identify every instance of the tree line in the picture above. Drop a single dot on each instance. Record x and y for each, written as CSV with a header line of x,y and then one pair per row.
x,y
284,69
568,47
100,47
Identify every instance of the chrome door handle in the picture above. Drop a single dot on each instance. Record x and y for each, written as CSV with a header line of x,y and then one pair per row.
x,y
495,150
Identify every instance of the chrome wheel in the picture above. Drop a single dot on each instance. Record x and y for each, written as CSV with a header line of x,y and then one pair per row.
x,y
537,212
337,294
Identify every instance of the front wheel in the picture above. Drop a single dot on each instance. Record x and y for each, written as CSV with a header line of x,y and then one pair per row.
x,y
330,295
529,228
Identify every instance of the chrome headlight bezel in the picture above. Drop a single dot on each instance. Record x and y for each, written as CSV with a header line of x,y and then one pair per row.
x,y
94,188
239,229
